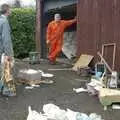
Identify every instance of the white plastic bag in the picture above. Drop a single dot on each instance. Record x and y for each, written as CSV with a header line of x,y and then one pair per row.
x,y
45,74
82,116
71,115
94,116
34,115
54,112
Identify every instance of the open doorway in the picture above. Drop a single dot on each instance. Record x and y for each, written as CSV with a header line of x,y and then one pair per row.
x,y
67,12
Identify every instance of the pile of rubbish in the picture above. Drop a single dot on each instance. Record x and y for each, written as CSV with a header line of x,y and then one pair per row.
x,y
104,83
53,112
33,77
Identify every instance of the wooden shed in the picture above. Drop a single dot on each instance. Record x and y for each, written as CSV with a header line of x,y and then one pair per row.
x,y
97,26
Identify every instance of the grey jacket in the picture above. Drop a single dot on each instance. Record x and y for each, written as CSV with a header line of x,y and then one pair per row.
x,y
5,37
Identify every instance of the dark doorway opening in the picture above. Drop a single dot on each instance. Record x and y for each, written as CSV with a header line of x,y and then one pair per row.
x,y
67,12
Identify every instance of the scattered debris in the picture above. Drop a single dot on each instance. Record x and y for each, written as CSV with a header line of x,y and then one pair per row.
x,y
91,90
35,85
94,86
53,112
45,74
35,82
29,87
81,66
113,80
115,106
78,90
32,86
33,77
107,94
101,83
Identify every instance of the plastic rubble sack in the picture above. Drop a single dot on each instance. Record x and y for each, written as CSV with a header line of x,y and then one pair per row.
x,y
34,115
71,115
94,116
54,112
82,116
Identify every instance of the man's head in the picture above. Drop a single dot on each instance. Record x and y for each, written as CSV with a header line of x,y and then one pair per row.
x,y
5,9
57,17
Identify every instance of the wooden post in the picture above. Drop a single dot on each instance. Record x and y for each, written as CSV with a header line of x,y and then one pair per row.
x,y
38,26
114,52
104,61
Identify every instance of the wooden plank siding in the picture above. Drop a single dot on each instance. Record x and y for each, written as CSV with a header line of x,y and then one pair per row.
x,y
98,23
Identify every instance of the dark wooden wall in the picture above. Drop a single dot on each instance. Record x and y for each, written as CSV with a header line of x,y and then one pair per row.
x,y
99,23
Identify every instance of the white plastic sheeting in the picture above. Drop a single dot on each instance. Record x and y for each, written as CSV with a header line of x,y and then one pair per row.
x,y
53,112
45,74
69,44
78,90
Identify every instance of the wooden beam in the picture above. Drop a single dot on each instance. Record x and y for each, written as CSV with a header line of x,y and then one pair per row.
x,y
38,26
114,52
104,61
60,69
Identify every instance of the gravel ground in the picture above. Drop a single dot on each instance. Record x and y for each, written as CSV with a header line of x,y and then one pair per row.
x,y
59,93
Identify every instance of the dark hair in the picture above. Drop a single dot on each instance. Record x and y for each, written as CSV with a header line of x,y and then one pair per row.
x,y
4,8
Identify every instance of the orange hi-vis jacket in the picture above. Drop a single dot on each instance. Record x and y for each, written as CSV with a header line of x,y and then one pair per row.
x,y
54,36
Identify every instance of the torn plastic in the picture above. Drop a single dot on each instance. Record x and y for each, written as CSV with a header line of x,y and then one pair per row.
x,y
53,112
34,115
78,90
45,74
116,107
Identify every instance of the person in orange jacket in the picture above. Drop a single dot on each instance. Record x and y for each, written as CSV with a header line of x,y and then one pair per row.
x,y
54,36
